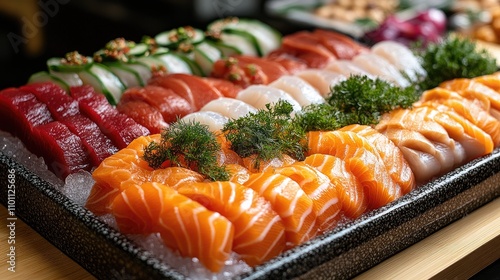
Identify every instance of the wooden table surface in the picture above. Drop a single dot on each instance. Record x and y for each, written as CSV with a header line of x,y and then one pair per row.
x,y
455,252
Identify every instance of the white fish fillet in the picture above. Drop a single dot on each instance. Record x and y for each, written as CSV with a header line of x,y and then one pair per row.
x,y
347,68
401,57
322,80
213,120
229,107
380,67
260,95
299,89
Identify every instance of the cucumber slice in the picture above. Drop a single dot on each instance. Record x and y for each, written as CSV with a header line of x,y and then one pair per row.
x,y
164,39
56,64
152,62
139,50
188,58
44,76
174,63
241,41
127,75
262,35
206,55
267,38
142,70
103,80
226,50
72,79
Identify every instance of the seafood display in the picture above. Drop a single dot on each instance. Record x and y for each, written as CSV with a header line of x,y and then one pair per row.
x,y
214,140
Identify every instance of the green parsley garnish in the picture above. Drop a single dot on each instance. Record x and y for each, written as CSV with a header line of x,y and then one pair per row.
x,y
190,145
269,133
454,57
356,100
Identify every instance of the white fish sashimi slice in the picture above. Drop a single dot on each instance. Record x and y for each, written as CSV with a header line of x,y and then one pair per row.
x,y
299,89
401,57
347,68
260,95
322,80
380,67
213,120
229,107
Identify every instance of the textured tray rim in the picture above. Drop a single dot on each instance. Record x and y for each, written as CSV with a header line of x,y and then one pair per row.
x,y
78,227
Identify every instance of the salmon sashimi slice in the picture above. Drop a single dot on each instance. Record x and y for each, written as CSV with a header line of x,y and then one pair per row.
x,y
65,110
394,161
475,111
420,153
175,176
255,166
463,85
492,80
259,233
362,161
184,225
238,173
226,88
475,141
292,204
121,129
343,47
178,86
168,103
119,171
350,191
416,120
273,70
320,189
144,114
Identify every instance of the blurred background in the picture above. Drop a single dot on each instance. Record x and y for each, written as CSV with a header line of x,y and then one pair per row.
x,y
33,30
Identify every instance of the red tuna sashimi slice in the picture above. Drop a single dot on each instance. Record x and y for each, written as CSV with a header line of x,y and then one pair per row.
x,y
20,112
65,109
203,92
273,70
169,104
226,88
62,150
144,114
118,127
342,46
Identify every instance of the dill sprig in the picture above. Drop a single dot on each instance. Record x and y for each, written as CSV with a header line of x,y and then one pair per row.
x,y
454,57
190,145
269,133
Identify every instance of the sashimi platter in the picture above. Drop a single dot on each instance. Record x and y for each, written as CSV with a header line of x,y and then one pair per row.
x,y
237,152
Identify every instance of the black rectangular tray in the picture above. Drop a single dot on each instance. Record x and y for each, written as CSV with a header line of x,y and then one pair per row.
x,y
343,253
